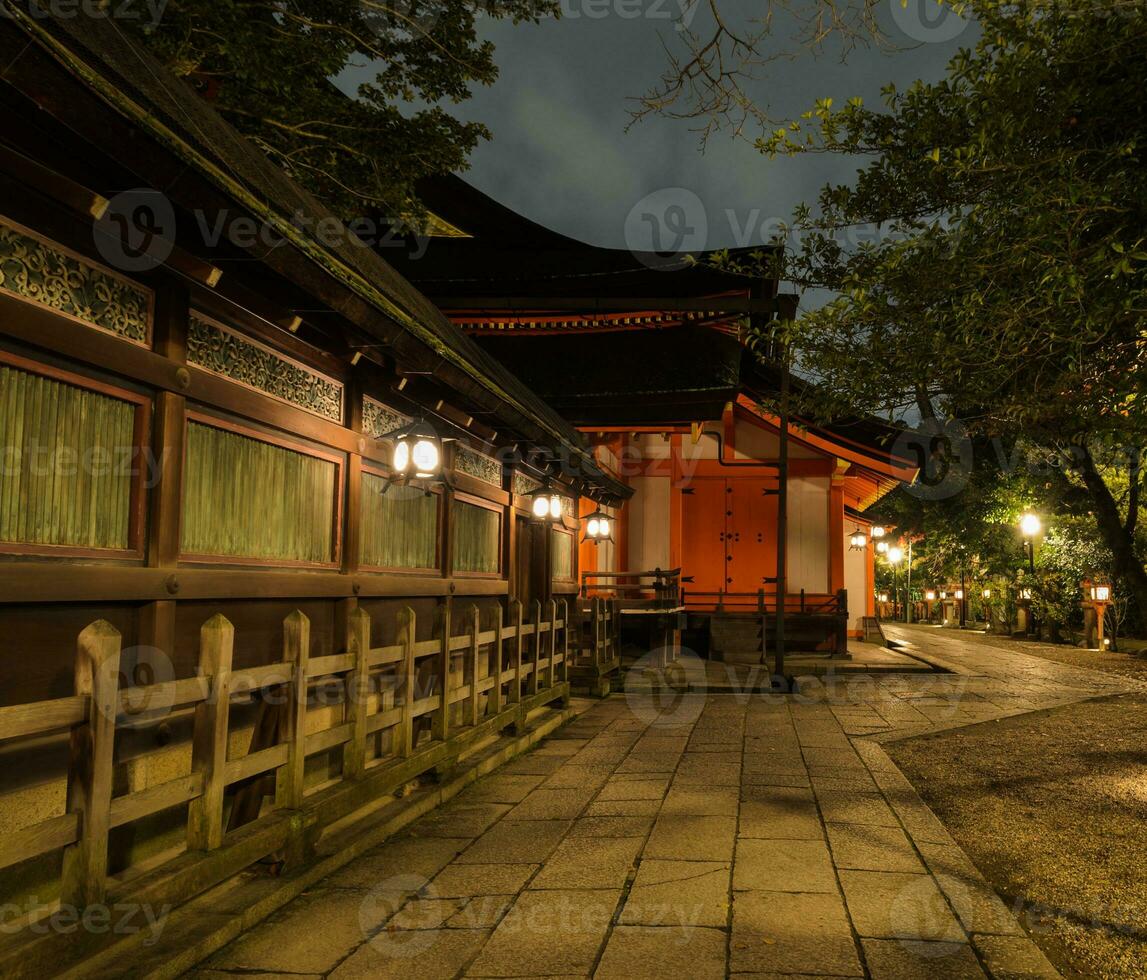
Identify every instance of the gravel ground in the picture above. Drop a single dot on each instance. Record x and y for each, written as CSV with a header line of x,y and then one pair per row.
x,y
1052,807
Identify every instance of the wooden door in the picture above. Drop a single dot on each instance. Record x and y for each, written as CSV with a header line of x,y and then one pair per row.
x,y
704,507
752,535
531,570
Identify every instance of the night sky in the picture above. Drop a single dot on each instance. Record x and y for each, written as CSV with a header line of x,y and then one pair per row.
x,y
561,155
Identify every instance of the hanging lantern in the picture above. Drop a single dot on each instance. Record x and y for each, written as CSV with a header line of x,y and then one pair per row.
x,y
881,547
598,527
417,452
857,540
546,505
878,531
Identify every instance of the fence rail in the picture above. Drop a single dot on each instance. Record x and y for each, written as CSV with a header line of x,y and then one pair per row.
x,y
658,588
764,601
458,687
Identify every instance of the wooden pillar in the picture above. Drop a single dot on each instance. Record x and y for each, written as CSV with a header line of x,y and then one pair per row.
x,y
836,544
90,765
353,504
157,619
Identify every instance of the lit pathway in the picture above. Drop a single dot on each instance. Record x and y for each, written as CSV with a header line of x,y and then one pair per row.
x,y
708,836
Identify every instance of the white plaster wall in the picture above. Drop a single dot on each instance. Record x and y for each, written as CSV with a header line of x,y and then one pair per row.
x,y
753,442
808,534
649,523
855,580
706,446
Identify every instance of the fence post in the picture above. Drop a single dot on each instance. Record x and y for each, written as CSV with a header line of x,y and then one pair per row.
x,y
209,742
90,765
406,626
357,694
496,690
565,640
475,646
536,677
596,628
551,676
516,619
440,728
296,652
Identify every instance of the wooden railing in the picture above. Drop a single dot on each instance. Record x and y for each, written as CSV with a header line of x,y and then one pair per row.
x,y
764,602
455,688
653,589
600,646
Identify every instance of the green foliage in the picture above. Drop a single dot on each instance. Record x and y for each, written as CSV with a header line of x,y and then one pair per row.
x,y
268,65
990,265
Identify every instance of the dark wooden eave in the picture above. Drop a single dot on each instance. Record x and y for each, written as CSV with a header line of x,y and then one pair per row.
x,y
110,93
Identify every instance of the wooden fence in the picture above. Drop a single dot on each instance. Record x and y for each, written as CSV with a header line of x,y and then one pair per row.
x,y
406,709
600,646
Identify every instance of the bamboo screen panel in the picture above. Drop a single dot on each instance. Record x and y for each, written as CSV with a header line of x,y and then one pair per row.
x,y
399,527
245,498
66,468
561,554
477,538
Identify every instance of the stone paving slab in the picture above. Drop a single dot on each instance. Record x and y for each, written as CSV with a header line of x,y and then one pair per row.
x,y
701,836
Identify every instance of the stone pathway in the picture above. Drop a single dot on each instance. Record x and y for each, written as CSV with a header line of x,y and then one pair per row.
x,y
701,836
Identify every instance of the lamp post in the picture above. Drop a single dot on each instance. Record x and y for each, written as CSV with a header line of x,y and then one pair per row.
x,y
894,557
1097,596
1030,527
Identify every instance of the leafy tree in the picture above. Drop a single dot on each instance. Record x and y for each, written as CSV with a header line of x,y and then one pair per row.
x,y
268,64
1005,284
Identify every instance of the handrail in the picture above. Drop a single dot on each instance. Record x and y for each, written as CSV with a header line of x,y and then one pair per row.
x,y
477,682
